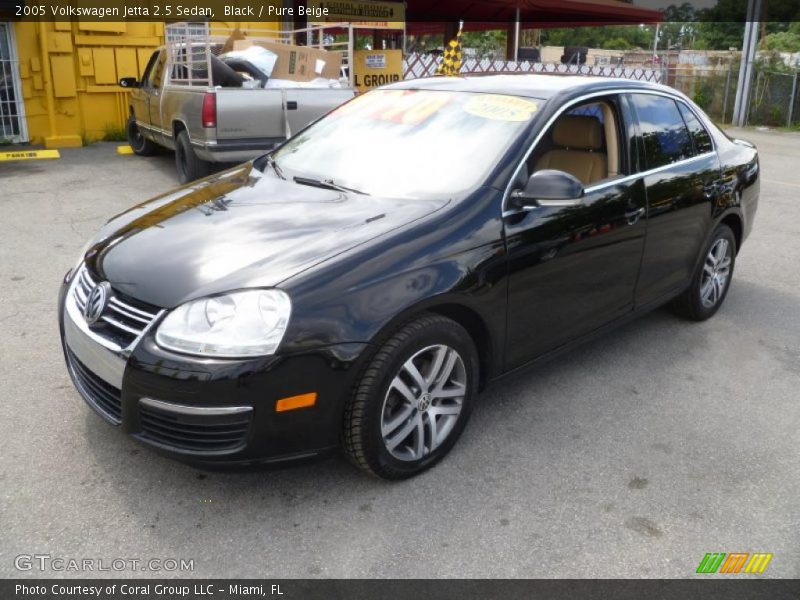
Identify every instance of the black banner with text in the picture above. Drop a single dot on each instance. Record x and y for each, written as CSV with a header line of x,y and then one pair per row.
x,y
400,589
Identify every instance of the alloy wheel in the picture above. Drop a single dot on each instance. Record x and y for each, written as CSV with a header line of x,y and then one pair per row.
x,y
716,271
423,402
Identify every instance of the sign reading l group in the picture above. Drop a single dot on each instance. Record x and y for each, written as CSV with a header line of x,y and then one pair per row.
x,y
374,68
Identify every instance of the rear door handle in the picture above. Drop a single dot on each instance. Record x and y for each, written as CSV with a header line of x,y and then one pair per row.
x,y
633,216
291,105
710,190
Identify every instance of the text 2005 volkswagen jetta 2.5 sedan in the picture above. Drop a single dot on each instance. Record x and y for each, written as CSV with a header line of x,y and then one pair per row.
x,y
359,285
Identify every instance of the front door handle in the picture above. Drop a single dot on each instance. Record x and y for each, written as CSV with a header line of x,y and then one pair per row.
x,y
633,216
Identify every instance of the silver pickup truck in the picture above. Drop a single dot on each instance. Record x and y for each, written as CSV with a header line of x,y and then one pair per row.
x,y
211,123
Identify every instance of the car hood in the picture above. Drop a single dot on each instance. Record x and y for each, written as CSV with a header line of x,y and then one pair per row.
x,y
240,229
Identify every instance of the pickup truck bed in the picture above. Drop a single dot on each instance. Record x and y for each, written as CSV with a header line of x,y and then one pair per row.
x,y
207,124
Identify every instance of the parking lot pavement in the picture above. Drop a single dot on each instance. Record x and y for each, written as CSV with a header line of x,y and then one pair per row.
x,y
631,457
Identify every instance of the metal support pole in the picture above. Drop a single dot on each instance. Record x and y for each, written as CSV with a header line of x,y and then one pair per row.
x,y
792,98
740,82
516,36
351,66
725,98
655,43
742,103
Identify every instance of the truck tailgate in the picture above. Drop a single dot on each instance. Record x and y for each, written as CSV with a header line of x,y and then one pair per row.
x,y
309,104
258,114
249,114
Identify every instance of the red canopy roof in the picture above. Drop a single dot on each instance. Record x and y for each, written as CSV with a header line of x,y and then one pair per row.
x,y
427,16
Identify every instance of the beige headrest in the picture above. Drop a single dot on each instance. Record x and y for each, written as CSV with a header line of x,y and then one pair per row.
x,y
578,133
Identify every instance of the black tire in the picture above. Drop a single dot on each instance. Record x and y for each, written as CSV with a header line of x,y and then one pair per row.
x,y
188,165
140,144
362,438
691,304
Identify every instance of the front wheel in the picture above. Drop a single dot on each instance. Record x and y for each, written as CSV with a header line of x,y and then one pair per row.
x,y
140,144
413,400
188,165
712,280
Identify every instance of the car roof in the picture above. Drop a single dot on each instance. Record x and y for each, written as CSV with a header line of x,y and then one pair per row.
x,y
541,86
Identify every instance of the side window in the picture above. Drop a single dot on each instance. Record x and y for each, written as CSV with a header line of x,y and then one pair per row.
x,y
156,73
585,142
148,70
701,138
666,139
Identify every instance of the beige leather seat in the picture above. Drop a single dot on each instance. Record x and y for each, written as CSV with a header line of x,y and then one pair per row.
x,y
581,142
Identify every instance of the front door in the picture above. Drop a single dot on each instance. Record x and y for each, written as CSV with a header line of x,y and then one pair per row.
x,y
574,268
154,89
146,100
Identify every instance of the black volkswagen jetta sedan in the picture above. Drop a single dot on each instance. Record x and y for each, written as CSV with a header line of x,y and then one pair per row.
x,y
359,285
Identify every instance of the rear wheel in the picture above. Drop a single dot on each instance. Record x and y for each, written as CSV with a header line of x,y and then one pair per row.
x,y
140,144
188,165
712,280
413,400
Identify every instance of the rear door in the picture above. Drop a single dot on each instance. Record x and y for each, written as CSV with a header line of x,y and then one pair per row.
x,y
682,174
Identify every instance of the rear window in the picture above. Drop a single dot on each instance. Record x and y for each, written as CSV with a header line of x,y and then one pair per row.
x,y
700,137
665,136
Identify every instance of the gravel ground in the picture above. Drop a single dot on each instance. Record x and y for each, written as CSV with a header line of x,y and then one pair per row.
x,y
630,457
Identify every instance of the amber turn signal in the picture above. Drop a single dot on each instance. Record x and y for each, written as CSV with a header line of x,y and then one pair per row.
x,y
294,402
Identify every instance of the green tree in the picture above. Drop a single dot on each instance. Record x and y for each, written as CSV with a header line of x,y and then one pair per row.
x,y
782,41
617,43
633,36
485,43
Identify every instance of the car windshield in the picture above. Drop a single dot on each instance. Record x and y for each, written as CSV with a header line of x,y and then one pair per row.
x,y
408,143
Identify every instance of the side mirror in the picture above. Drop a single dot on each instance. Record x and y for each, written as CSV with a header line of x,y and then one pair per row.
x,y
129,82
548,187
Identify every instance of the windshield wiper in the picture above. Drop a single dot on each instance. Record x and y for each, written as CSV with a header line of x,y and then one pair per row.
x,y
272,163
326,184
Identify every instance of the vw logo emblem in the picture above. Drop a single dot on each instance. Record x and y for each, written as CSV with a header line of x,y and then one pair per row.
x,y
96,303
424,402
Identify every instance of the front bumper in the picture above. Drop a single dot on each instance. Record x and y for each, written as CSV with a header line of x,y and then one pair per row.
x,y
210,411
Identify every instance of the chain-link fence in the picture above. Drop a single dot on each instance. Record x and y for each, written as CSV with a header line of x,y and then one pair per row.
x,y
774,99
774,95
714,90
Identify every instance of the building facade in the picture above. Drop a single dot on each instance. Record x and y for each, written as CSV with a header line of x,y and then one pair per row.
x,y
59,80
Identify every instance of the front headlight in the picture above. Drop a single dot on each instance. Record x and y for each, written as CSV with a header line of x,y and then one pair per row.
x,y
239,324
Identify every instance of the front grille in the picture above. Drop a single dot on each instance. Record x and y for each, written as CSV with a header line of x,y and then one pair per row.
x,y
195,433
123,319
100,394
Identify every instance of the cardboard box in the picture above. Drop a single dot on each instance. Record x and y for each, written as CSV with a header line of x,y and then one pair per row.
x,y
298,63
236,35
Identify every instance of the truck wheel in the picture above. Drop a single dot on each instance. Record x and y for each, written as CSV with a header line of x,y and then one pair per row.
x,y
413,400
140,144
189,166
